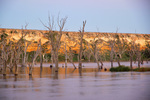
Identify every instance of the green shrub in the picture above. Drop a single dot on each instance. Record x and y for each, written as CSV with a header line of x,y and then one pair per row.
x,y
141,69
120,68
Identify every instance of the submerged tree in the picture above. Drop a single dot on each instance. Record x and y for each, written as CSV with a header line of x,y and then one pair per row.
x,y
111,42
131,51
4,49
70,56
24,44
54,37
81,34
138,54
69,49
120,47
37,52
87,52
146,51
78,39
96,46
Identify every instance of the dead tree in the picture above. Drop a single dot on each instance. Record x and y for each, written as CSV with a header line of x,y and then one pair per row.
x,y
87,53
24,55
25,44
70,56
81,44
131,51
146,52
41,56
18,48
65,53
11,58
79,40
5,52
44,51
17,53
31,65
54,37
119,47
138,54
111,43
96,46
134,49
5,48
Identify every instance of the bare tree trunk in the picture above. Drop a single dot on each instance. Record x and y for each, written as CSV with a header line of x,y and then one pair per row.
x,y
81,44
55,75
70,57
15,63
24,59
41,61
56,61
52,57
97,63
72,63
139,59
45,58
24,53
131,59
101,64
16,67
80,62
80,52
100,60
3,58
41,57
24,56
89,58
118,61
34,58
40,73
4,67
97,60
65,56
80,72
30,68
139,63
135,60
111,58
11,62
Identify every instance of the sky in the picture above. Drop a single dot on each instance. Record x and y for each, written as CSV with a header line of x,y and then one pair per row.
x,y
128,16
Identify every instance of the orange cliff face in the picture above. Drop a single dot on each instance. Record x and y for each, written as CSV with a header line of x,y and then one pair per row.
x,y
71,37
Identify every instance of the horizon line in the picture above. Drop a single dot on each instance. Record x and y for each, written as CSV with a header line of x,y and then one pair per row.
x,y
74,31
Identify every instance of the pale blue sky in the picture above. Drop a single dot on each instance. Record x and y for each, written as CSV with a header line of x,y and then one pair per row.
x,y
101,15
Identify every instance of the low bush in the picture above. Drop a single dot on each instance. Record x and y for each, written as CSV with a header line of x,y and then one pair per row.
x,y
121,68
141,69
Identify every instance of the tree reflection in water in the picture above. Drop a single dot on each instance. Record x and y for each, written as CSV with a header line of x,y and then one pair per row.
x,y
73,84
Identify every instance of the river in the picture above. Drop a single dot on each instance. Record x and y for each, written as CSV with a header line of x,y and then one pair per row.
x,y
74,84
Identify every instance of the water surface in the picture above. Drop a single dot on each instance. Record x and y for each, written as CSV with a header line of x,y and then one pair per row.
x,y
75,84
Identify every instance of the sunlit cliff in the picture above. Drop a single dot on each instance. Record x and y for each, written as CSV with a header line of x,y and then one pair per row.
x,y
36,35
